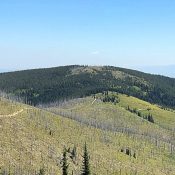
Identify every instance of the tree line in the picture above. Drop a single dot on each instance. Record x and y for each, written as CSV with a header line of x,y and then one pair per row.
x,y
148,117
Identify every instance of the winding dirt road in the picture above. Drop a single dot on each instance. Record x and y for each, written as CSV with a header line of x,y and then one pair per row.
x,y
13,114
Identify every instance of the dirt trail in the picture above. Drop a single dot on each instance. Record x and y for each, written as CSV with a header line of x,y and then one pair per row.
x,y
15,113
94,101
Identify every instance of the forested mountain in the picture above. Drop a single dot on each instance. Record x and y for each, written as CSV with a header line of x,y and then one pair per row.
x,y
51,84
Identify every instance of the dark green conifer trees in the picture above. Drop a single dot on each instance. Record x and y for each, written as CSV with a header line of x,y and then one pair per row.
x,y
64,163
150,118
86,165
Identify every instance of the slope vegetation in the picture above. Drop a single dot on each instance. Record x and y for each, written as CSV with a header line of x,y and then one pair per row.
x,y
119,142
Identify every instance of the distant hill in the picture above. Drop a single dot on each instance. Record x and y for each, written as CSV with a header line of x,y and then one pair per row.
x,y
161,70
4,70
51,84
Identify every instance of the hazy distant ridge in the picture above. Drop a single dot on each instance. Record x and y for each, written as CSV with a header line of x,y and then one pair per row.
x,y
161,70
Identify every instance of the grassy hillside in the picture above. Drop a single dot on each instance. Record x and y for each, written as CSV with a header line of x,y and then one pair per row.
x,y
116,117
34,139
47,85
164,117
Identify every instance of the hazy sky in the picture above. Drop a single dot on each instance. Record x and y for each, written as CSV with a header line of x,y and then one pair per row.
x,y
45,33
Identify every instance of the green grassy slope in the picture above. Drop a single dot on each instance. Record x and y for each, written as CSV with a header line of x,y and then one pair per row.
x,y
35,139
116,118
47,85
163,117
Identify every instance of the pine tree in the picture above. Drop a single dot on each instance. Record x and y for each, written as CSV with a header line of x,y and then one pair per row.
x,y
65,165
73,154
86,166
150,118
41,171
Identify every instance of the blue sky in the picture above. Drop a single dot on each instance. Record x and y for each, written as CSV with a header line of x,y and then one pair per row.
x,y
127,33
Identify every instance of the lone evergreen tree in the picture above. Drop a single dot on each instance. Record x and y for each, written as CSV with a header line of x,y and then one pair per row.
x,y
150,118
41,171
65,165
86,166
